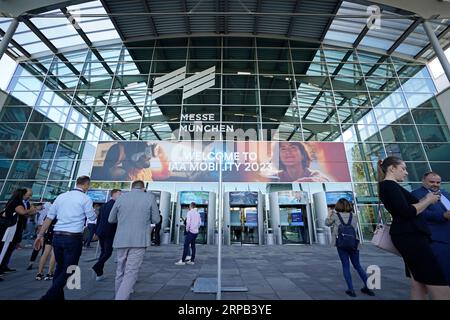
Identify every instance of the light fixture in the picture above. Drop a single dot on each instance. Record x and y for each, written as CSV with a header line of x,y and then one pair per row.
x,y
244,72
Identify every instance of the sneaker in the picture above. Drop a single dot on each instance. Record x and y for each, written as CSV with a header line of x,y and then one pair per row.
x,y
49,276
99,278
180,263
188,258
7,269
367,291
190,262
30,267
351,293
39,276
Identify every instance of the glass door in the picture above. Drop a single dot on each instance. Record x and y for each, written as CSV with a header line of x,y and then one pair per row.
x,y
293,225
236,225
203,230
250,225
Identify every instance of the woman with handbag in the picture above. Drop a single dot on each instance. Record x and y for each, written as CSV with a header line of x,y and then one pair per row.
x,y
8,219
343,214
409,231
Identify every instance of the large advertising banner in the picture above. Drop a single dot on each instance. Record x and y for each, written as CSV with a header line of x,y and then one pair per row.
x,y
240,161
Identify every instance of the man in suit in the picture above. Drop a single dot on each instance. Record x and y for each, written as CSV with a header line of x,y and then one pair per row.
x,y
133,212
105,232
438,219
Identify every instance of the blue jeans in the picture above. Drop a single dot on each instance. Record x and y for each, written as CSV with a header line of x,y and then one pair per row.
x,y
67,250
353,256
189,239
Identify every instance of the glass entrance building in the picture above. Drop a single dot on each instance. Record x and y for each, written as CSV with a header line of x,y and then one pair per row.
x,y
87,75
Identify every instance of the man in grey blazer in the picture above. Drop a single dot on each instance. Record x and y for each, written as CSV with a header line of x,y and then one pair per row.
x,y
133,212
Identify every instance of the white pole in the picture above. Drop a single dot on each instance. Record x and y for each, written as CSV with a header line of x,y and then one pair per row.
x,y
219,245
440,54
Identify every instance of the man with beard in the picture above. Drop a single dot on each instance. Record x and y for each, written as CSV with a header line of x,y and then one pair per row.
x,y
438,219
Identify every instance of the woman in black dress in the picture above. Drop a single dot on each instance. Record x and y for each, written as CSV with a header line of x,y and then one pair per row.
x,y
409,231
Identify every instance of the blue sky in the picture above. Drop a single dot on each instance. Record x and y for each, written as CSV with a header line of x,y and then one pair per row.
x,y
7,66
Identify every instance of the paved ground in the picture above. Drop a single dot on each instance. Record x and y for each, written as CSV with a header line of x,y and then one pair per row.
x,y
269,272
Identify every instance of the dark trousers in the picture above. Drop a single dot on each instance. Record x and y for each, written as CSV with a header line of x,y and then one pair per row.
x,y
106,245
67,250
91,228
35,253
156,234
189,239
8,254
2,231
353,256
442,252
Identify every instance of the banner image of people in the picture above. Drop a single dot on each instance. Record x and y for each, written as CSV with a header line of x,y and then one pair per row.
x,y
241,161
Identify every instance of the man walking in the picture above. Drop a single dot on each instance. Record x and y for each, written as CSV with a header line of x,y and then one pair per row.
x,y
438,219
193,223
71,209
133,212
105,232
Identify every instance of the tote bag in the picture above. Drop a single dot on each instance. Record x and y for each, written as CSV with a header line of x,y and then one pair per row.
x,y
381,237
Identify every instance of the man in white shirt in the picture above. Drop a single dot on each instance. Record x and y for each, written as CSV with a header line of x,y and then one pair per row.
x,y
193,223
71,209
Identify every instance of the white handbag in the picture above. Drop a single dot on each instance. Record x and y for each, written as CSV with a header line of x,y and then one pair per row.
x,y
381,237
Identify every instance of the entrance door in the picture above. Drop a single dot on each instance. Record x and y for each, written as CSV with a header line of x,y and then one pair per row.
x,y
236,225
203,230
294,225
244,225
250,226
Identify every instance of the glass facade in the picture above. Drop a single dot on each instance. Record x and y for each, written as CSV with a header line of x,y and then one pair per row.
x,y
58,110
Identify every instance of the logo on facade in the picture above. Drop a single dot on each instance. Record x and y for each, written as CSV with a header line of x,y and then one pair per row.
x,y
177,79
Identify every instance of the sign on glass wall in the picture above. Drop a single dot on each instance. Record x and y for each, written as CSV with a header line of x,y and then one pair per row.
x,y
241,161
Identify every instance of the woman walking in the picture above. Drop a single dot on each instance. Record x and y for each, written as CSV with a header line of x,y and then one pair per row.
x,y
14,207
343,215
48,251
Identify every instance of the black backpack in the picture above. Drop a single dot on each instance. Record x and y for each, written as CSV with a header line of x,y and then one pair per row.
x,y
346,238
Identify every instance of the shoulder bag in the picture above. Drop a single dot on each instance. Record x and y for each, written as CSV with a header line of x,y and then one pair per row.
x,y
381,237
